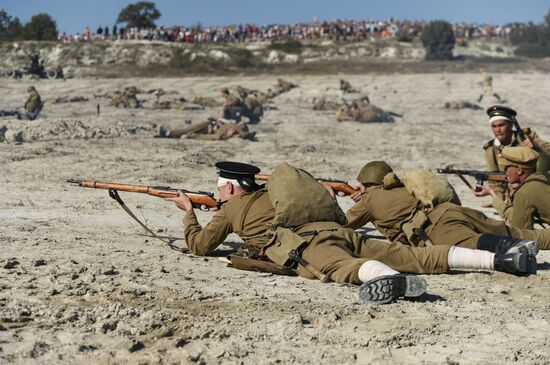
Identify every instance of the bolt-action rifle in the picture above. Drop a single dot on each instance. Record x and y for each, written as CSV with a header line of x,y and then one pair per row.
x,y
200,199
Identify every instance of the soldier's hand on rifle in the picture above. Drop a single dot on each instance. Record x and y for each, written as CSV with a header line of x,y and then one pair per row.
x,y
356,196
330,190
527,143
182,201
485,190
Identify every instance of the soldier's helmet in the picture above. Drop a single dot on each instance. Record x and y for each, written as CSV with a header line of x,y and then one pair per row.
x,y
224,90
30,88
374,172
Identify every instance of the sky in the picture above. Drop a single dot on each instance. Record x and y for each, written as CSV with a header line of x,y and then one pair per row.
x,y
73,16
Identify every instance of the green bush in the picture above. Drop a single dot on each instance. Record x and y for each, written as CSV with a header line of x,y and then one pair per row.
x,y
41,27
10,28
532,40
141,15
288,46
528,34
533,50
439,40
404,37
239,58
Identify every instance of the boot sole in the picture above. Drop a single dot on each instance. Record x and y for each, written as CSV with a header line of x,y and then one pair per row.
x,y
526,247
386,289
526,264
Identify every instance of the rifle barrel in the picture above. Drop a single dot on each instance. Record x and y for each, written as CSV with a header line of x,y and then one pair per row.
x,y
342,187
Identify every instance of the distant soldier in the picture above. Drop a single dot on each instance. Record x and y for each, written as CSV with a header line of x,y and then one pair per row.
x,y
528,193
500,119
346,87
324,105
129,98
462,104
168,105
487,85
285,86
36,67
207,102
211,130
252,108
270,93
233,106
241,89
343,114
33,104
369,114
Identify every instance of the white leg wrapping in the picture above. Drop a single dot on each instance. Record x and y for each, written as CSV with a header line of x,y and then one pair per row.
x,y
373,269
465,258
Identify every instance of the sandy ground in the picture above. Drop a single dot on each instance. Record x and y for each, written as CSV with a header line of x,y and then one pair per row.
x,y
81,283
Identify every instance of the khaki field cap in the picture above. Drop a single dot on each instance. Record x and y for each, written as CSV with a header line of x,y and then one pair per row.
x,y
30,88
518,156
374,172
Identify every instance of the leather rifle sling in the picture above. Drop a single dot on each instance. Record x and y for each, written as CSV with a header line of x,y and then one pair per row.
x,y
114,194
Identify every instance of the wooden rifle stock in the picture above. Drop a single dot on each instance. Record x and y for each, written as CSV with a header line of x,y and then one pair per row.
x,y
342,188
200,199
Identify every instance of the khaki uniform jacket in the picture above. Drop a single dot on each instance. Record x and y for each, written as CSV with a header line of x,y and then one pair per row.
x,y
386,209
246,214
33,104
492,152
231,101
253,105
531,200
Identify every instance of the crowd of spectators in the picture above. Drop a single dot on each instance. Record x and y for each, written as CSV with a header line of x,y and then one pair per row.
x,y
335,30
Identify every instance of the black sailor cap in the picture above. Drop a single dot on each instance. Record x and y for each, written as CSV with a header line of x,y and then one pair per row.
x,y
501,111
236,170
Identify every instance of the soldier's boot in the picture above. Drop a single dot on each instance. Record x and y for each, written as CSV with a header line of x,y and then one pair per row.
x,y
503,245
387,288
520,264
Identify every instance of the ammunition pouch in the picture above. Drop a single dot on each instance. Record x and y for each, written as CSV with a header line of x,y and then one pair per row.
x,y
284,240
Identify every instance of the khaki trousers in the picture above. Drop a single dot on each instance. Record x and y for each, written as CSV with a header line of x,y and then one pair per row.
x,y
460,226
340,253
